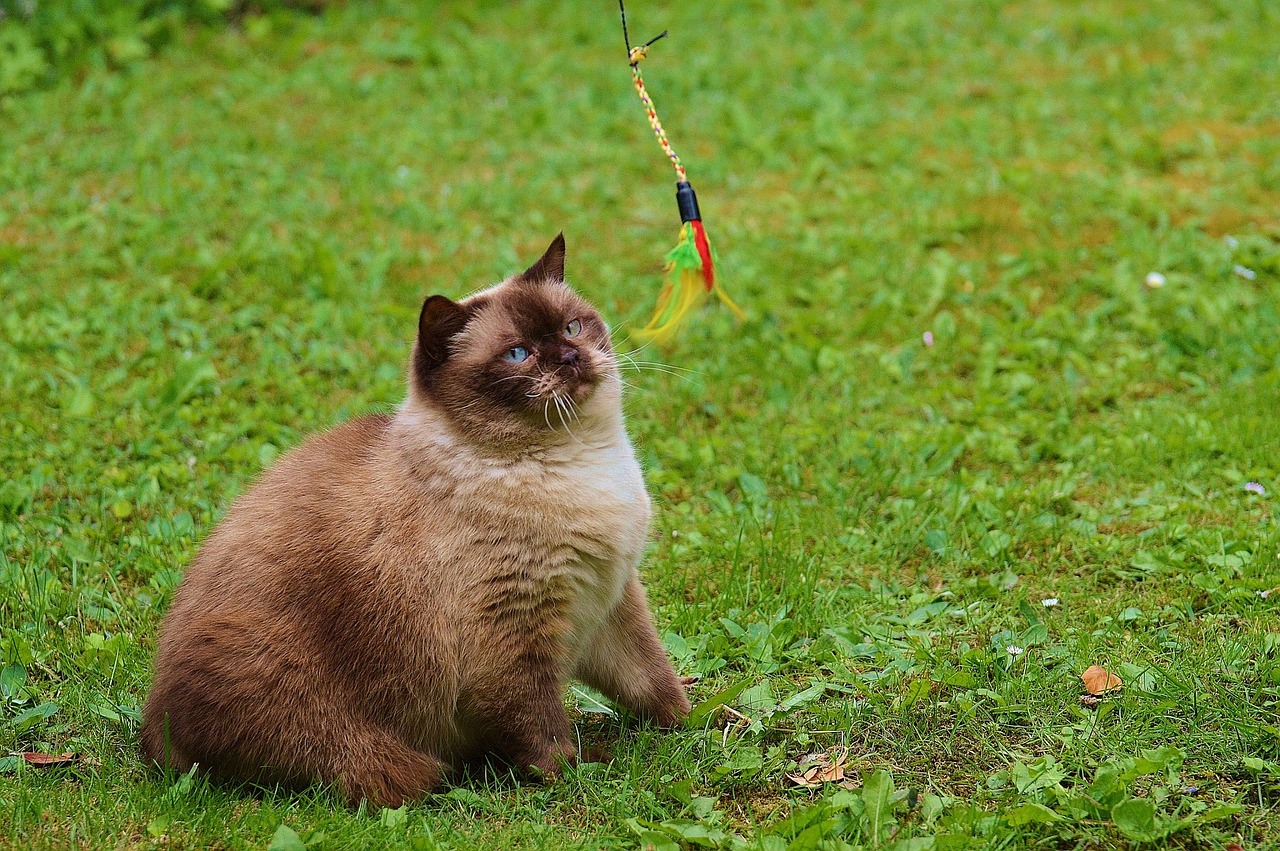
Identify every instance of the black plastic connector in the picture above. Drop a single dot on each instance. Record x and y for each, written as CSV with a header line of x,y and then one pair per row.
x,y
688,203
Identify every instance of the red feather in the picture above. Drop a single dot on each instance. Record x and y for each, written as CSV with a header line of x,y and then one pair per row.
x,y
704,251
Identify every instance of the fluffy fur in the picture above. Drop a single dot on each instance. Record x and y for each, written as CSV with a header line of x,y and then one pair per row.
x,y
408,593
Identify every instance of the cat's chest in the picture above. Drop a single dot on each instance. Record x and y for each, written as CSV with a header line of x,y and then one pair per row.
x,y
609,545
583,526
596,507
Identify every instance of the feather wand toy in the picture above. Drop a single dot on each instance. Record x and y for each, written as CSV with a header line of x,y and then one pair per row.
x,y
690,270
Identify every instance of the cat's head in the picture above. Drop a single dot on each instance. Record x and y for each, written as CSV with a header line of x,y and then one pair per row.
x,y
525,359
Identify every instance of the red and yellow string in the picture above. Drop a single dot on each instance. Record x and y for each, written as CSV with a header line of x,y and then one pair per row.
x,y
637,54
690,270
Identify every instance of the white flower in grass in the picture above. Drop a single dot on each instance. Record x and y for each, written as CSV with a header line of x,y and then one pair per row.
x,y
1049,602
1154,280
1244,272
928,338
1254,487
1014,650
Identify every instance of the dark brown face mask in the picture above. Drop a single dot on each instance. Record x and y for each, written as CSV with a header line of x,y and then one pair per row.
x,y
528,351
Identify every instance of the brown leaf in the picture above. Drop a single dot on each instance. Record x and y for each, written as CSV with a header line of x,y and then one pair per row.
x,y
1234,846
43,759
1098,680
819,768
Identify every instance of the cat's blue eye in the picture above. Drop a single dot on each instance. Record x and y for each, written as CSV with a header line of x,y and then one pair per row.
x,y
573,329
516,354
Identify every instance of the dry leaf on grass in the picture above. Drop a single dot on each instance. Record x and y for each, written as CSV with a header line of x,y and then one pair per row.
x,y
43,759
1090,701
819,768
1098,680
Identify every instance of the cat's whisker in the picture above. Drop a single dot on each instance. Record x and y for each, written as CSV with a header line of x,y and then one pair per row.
x,y
512,378
559,403
646,344
564,404
631,353
654,366
659,365
633,388
637,350
616,376
626,356
663,371
571,408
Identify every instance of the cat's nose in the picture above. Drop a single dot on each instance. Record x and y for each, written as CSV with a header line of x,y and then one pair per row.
x,y
569,355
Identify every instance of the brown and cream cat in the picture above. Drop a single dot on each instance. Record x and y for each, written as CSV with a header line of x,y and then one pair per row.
x,y
410,592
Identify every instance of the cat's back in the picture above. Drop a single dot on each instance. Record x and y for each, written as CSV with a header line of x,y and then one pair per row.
x,y
316,483
304,510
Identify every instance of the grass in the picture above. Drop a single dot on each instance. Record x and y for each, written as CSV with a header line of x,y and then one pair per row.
x,y
212,253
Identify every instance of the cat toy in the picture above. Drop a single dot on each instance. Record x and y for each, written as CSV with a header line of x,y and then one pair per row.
x,y
690,270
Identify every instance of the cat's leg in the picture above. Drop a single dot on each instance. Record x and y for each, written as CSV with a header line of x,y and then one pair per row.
x,y
519,704
628,664
277,720
284,739
377,767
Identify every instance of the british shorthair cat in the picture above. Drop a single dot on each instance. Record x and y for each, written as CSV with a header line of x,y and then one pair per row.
x,y
408,593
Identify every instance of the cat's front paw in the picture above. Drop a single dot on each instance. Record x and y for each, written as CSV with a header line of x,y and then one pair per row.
x,y
672,707
551,764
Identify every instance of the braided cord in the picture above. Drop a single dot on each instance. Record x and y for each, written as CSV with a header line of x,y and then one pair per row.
x,y
638,53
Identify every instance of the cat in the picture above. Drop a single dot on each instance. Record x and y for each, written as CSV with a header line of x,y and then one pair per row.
x,y
410,593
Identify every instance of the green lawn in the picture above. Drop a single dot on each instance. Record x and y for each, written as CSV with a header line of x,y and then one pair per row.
x,y
209,254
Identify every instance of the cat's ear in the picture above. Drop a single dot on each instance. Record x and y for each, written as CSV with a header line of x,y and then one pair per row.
x,y
550,266
439,321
